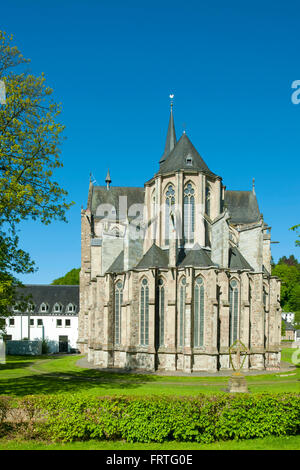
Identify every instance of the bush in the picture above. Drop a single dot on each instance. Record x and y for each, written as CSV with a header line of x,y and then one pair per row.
x,y
157,419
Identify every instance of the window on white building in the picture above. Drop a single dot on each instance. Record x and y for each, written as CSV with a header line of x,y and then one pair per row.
x,y
71,308
40,322
68,323
57,308
58,323
44,307
11,322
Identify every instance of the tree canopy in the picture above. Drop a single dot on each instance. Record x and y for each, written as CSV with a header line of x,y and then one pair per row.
x,y
296,229
30,147
71,278
288,270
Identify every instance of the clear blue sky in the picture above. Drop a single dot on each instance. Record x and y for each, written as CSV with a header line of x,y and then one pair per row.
x,y
112,65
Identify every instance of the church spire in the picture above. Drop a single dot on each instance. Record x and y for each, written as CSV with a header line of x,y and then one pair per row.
x,y
171,136
107,180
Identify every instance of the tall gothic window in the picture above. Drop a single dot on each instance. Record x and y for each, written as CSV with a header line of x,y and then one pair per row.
x,y
233,311
170,201
118,304
189,213
199,312
161,311
144,313
182,295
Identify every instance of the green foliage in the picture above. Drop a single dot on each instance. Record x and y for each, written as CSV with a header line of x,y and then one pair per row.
x,y
71,278
290,276
30,140
295,229
202,419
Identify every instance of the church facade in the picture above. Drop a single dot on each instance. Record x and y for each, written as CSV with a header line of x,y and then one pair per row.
x,y
175,272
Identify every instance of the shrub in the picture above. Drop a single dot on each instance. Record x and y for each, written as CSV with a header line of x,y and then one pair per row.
x,y
157,419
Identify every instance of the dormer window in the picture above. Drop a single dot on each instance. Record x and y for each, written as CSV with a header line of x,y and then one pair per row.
x,y
57,308
31,307
44,307
189,160
71,308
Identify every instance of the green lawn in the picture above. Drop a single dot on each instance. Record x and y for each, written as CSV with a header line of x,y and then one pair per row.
x,y
23,375
267,443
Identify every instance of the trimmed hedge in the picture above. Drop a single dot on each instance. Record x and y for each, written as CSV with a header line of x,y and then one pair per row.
x,y
153,419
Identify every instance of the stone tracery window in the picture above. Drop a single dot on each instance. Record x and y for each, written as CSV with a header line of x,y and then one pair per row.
x,y
144,313
189,213
118,304
182,296
170,202
199,312
161,311
233,311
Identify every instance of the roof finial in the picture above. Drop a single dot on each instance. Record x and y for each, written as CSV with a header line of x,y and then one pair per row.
x,y
171,96
253,185
107,179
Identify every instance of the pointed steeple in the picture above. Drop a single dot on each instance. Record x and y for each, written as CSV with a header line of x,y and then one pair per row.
x,y
107,179
171,136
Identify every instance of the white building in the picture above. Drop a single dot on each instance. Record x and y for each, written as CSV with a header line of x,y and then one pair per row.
x,y
52,315
288,316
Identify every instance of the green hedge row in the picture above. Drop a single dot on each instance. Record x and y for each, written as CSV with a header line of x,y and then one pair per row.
x,y
157,419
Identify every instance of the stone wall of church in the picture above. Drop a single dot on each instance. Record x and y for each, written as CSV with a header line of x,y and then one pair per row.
x,y
258,322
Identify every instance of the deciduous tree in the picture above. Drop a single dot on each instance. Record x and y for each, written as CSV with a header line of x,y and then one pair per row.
x,y
30,146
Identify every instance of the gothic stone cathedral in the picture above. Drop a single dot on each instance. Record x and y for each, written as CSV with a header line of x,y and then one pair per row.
x,y
177,271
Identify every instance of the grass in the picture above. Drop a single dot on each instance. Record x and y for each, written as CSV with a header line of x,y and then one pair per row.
x,y
270,443
23,375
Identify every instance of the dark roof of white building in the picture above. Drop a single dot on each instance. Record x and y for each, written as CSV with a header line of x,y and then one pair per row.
x,y
50,295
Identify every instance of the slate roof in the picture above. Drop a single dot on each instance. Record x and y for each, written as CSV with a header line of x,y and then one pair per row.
x,y
197,257
155,257
236,260
242,206
42,293
102,195
176,160
118,264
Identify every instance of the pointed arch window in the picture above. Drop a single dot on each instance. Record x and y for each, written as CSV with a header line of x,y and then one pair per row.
x,y
189,213
233,311
144,313
118,304
199,312
161,311
182,296
170,202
